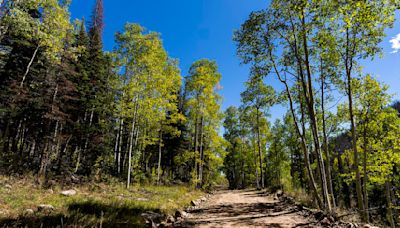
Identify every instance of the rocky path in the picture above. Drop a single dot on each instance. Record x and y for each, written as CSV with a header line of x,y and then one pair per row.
x,y
249,208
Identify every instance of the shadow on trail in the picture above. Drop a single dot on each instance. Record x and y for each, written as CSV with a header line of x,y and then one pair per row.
x,y
243,214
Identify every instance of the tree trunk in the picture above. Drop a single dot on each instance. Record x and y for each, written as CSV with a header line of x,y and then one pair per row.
x,y
121,131
365,180
28,67
301,135
255,163
159,157
259,146
309,98
116,148
196,136
389,211
131,143
86,141
200,184
326,146
348,65
130,153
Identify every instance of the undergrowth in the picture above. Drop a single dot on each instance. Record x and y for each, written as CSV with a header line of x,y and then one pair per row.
x,y
95,204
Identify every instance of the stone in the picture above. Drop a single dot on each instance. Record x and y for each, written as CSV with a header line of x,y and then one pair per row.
x,y
181,214
75,179
170,219
325,222
279,193
202,199
194,203
152,217
142,199
29,211
50,191
352,225
8,186
45,208
70,192
331,219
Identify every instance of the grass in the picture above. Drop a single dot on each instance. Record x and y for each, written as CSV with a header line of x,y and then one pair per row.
x,y
94,204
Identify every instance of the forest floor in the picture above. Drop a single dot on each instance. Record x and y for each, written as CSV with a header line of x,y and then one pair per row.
x,y
247,208
24,203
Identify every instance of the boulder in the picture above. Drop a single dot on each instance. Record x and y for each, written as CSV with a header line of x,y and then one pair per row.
x,y
195,203
352,225
369,226
181,214
45,208
325,222
29,211
170,219
75,179
70,192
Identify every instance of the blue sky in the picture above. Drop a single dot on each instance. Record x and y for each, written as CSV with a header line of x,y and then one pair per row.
x,y
195,29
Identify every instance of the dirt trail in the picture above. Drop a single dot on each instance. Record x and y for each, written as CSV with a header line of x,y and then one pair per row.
x,y
246,209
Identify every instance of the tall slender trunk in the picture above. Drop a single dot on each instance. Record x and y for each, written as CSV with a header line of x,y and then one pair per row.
x,y
259,146
389,212
116,148
159,156
309,98
32,149
301,135
200,184
131,136
349,66
255,163
29,66
326,146
121,129
63,152
196,136
86,140
365,180
22,141
130,153
41,178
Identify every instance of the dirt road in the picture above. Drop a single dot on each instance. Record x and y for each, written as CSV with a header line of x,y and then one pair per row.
x,y
245,209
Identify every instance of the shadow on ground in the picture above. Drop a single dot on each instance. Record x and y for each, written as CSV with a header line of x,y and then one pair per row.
x,y
243,214
86,214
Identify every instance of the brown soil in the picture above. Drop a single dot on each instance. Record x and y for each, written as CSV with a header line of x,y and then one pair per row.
x,y
249,208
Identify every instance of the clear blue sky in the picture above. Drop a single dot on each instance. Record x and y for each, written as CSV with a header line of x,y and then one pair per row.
x,y
195,29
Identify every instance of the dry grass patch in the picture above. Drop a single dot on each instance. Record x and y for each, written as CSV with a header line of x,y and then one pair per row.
x,y
94,204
